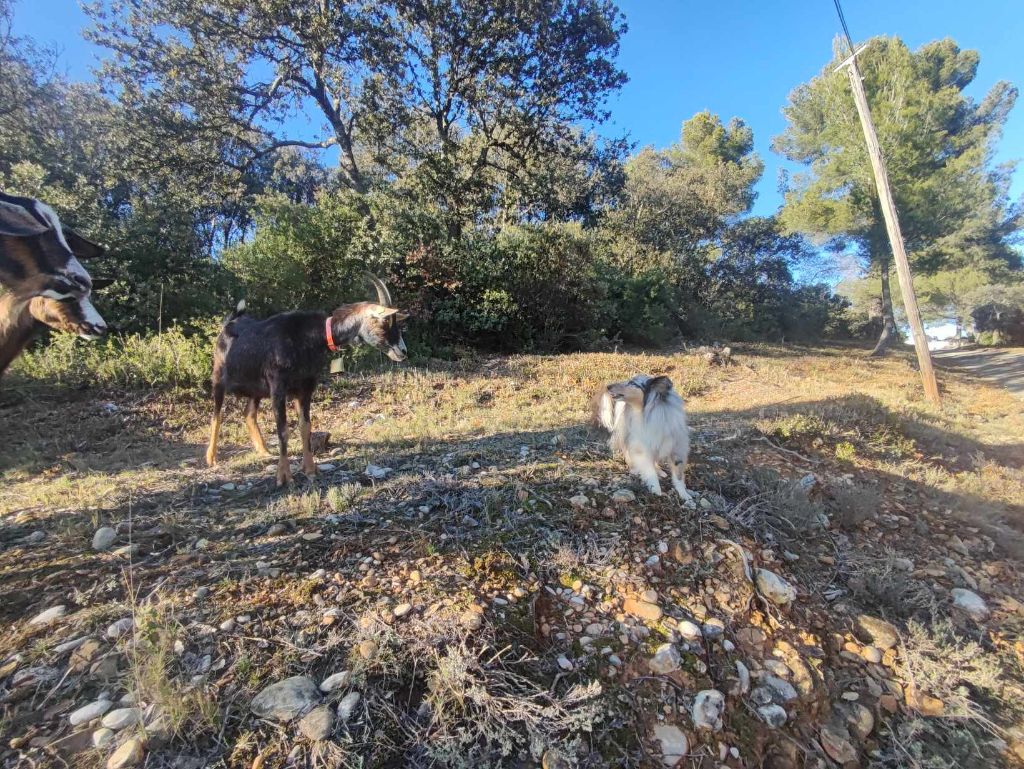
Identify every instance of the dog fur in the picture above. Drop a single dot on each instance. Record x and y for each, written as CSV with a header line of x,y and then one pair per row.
x,y
646,419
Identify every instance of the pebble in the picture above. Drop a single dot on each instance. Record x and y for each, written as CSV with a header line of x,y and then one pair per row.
x,y
87,713
690,631
103,538
286,699
129,754
835,739
623,496
880,633
564,662
707,709
201,593
401,610
228,625
774,588
276,530
317,724
347,706
674,745
336,681
119,628
642,609
970,603
666,660
52,614
367,649
579,501
102,737
871,654
122,717
773,715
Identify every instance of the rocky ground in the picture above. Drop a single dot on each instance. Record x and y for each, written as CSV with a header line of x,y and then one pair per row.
x,y
471,581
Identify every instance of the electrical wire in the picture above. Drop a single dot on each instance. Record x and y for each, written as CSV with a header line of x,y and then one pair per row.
x,y
842,20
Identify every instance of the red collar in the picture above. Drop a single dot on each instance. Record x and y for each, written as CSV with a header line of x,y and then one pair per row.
x,y
330,335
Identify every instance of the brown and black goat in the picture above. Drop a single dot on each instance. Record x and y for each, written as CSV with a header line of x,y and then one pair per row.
x,y
281,358
44,281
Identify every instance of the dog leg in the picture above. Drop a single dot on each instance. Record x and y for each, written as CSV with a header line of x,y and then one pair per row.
x,y
679,484
643,465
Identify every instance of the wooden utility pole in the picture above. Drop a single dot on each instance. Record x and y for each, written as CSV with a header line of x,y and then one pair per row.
x,y
892,226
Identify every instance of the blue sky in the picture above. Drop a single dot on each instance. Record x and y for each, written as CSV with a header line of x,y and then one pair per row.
x,y
733,58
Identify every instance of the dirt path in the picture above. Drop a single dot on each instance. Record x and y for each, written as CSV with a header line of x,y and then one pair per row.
x,y
1004,366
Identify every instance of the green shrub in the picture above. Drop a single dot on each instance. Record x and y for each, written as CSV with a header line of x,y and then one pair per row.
x,y
171,359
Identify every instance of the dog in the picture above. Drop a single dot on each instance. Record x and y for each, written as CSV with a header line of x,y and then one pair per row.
x,y
647,422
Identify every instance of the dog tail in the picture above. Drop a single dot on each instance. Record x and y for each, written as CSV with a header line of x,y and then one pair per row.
x,y
603,410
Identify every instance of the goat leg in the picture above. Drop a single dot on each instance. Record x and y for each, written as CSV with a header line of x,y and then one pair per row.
x,y
218,405
305,430
254,428
284,472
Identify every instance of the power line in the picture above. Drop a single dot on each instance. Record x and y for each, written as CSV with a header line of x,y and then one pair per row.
x,y
842,20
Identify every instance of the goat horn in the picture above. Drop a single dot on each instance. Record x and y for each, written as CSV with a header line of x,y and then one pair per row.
x,y
383,295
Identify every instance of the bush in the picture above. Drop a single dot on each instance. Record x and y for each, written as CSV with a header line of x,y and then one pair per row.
x,y
171,359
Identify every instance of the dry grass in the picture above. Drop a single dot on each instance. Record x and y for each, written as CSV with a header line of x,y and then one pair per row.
x,y
485,457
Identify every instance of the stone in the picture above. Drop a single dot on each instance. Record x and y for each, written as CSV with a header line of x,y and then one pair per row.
x,y
102,737
623,496
104,537
642,609
347,706
957,545
970,603
276,530
564,662
336,681
773,715
774,588
579,501
228,625
49,616
859,719
690,631
83,655
553,759
287,699
122,717
674,745
872,654
707,710
666,660
367,649
401,610
129,754
782,691
714,628
119,628
471,620
317,724
877,631
751,638
87,713
376,472
835,739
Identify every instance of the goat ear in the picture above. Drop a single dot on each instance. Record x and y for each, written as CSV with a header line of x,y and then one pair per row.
x,y
402,317
660,385
380,311
82,247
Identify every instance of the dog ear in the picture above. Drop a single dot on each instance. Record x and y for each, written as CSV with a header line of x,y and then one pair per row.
x,y
660,385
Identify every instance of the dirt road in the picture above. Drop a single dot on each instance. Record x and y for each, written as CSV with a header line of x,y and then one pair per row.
x,y
1004,366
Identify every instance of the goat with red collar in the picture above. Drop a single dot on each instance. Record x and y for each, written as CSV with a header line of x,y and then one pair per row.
x,y
281,358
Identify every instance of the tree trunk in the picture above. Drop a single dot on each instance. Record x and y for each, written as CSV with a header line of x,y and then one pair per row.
x,y
888,335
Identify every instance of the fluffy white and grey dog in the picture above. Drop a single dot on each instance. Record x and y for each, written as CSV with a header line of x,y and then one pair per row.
x,y
647,421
